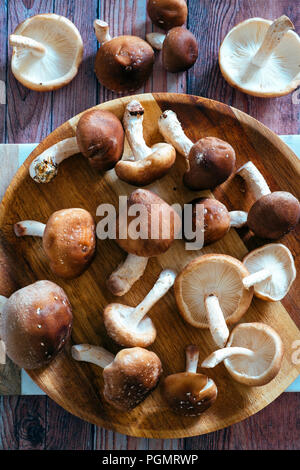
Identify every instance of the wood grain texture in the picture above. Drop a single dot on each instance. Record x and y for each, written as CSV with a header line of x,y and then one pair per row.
x,y
210,20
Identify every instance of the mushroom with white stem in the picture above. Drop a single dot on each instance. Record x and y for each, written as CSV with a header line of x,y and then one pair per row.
x,y
129,326
128,377
209,162
36,323
272,271
261,57
47,51
149,164
190,393
69,240
122,63
209,293
155,214
273,214
253,354
99,137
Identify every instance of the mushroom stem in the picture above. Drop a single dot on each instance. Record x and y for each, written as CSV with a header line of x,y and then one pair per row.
x,y
192,358
102,31
30,228
256,278
44,167
171,129
94,354
274,35
156,40
24,42
216,320
126,274
238,218
221,354
254,179
133,124
160,288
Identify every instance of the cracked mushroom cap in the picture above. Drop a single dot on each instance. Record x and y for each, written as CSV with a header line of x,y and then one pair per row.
x,y
69,242
124,63
100,138
179,50
58,54
212,274
132,375
36,324
279,262
155,214
167,13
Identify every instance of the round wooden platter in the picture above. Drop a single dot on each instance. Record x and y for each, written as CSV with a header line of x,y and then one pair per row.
x,y
77,386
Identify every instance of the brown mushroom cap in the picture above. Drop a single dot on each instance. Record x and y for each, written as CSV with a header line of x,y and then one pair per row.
x,y
167,13
132,375
100,138
211,161
69,242
37,322
274,215
180,50
124,63
156,209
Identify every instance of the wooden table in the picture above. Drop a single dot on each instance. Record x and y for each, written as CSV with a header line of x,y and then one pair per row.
x,y
26,116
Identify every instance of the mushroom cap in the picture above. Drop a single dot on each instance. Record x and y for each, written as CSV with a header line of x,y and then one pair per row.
x,y
211,161
132,375
167,13
188,393
119,327
64,51
268,348
100,138
156,210
280,73
212,274
69,242
124,63
149,169
36,322
180,50
216,219
274,215
277,259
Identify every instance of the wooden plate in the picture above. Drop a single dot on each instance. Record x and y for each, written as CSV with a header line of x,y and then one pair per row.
x,y
77,386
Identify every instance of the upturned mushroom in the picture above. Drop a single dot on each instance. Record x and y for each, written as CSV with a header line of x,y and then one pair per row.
x,y
36,323
253,354
122,63
179,48
99,137
216,220
261,57
210,293
47,51
148,164
68,240
128,377
159,226
130,326
272,271
273,214
190,393
209,162
167,13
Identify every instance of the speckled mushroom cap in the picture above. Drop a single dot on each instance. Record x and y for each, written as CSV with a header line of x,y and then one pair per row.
x,y
36,323
132,375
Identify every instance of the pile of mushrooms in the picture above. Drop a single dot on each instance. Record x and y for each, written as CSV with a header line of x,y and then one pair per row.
x,y
68,237
36,323
128,377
